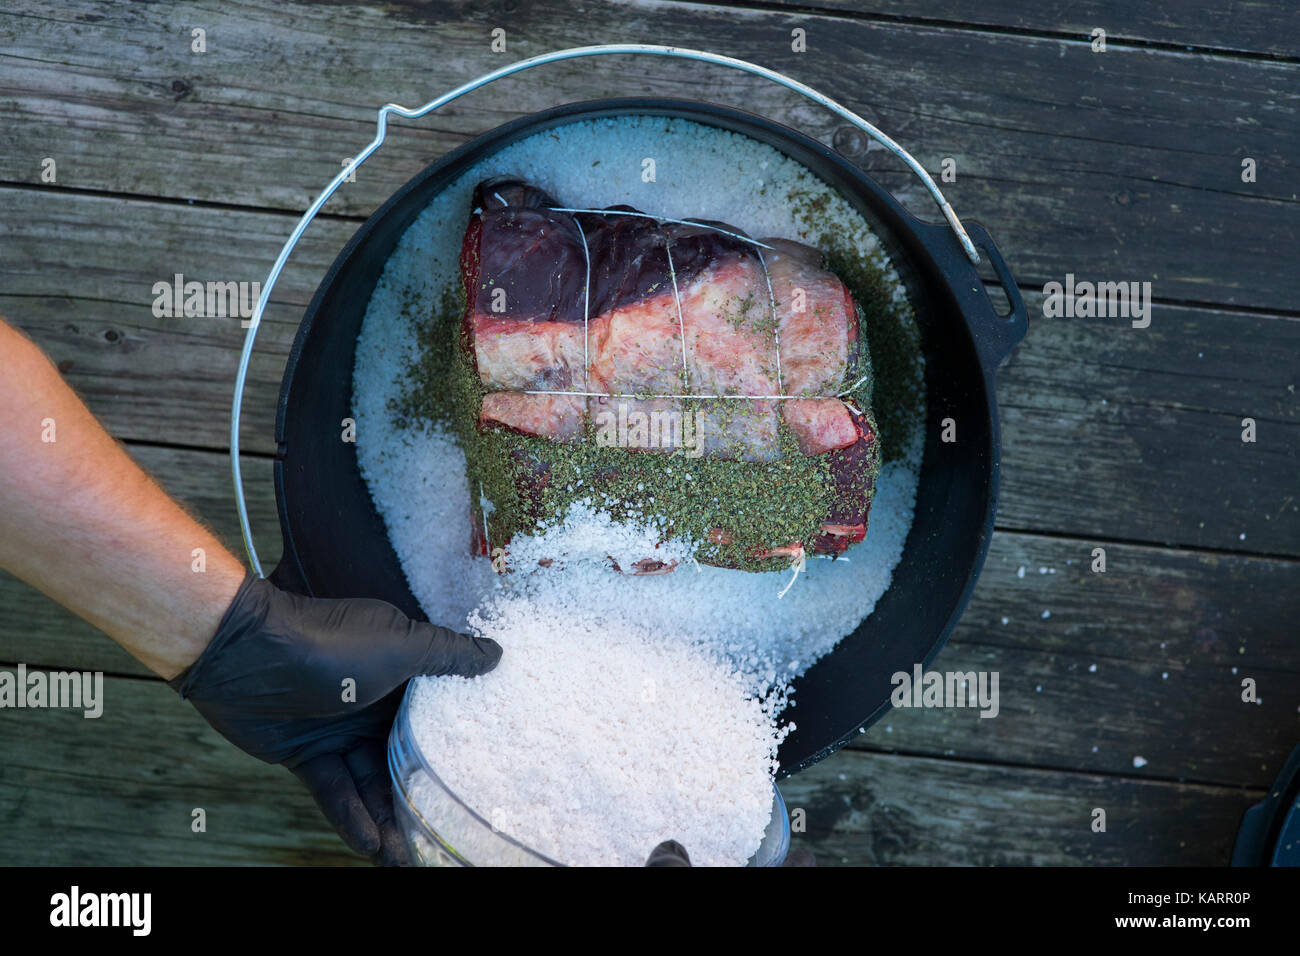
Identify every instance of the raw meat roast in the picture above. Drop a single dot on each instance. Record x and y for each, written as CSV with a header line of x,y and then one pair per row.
x,y
663,348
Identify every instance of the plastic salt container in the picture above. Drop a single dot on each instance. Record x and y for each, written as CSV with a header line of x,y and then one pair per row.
x,y
441,830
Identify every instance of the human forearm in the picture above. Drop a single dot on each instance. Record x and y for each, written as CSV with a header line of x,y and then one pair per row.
x,y
83,523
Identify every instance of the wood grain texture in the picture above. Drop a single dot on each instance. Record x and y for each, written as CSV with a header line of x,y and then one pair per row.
x,y
148,378
120,790
1244,28
1126,163
1137,433
867,810
1117,166
1172,712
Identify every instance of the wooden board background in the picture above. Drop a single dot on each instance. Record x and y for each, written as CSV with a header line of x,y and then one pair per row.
x,y
1124,164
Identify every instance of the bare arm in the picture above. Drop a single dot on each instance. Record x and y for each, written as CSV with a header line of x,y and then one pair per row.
x,y
83,523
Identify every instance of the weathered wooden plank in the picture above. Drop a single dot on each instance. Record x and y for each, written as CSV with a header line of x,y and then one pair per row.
x,y
1184,721
1208,621
35,630
1138,433
1181,610
1145,660
121,790
82,284
1248,27
1127,162
1202,608
872,809
1108,430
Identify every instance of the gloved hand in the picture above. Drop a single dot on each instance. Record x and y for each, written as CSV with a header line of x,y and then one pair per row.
x,y
275,681
672,853
668,853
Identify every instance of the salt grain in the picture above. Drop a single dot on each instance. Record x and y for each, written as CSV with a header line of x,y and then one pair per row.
x,y
551,746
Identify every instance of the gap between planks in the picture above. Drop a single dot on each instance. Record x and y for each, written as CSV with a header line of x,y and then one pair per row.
x,y
1032,768
902,755
993,29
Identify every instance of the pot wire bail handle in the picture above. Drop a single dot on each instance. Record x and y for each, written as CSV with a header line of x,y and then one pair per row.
x,y
573,53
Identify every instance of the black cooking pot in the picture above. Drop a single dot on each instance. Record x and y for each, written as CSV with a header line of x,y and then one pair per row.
x,y
336,545
1270,830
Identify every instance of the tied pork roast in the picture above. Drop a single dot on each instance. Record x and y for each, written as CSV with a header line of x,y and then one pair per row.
x,y
676,371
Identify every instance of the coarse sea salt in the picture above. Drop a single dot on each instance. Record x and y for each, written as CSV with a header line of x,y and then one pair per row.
x,y
626,710
593,741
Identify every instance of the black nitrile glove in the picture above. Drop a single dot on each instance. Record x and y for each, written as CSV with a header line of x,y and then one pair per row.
x,y
672,853
668,853
272,682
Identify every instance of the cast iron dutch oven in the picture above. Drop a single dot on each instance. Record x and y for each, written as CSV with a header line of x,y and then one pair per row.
x,y
1270,830
335,543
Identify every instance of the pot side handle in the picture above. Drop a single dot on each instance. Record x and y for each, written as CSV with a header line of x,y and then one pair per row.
x,y
995,335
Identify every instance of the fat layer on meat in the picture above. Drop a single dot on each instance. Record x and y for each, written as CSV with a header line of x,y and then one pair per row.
x,y
670,309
